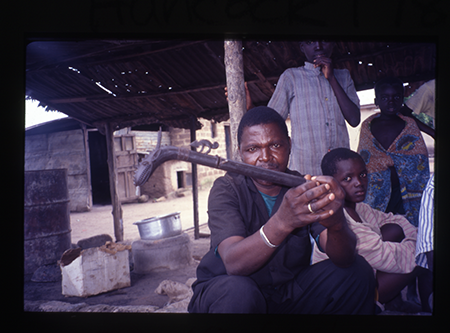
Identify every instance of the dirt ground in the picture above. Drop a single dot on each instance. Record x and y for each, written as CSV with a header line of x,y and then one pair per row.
x,y
99,219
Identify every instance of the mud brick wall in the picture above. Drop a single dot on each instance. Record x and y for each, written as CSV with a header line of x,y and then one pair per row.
x,y
147,140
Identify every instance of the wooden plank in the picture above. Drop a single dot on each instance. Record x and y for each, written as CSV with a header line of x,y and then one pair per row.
x,y
126,188
127,160
126,163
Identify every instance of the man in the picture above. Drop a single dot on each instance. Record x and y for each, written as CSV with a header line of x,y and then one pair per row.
x,y
319,100
260,246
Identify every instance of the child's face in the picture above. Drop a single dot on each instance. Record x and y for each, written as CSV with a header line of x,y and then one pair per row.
x,y
389,99
352,175
314,49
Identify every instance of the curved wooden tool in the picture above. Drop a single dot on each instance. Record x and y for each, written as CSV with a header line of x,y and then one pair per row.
x,y
161,155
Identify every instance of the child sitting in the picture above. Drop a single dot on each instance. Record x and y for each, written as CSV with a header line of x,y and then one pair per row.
x,y
385,240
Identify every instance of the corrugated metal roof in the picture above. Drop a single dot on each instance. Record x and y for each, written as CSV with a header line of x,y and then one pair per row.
x,y
135,82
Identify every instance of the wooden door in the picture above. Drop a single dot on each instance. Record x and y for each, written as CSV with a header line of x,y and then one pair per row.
x,y
126,164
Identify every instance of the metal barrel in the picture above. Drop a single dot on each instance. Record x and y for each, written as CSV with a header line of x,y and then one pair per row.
x,y
47,232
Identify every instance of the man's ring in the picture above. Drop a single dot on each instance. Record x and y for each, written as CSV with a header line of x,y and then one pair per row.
x,y
310,209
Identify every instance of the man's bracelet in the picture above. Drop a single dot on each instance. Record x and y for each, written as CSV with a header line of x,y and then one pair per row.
x,y
265,239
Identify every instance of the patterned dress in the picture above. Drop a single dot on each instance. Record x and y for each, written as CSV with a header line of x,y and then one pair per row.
x,y
408,154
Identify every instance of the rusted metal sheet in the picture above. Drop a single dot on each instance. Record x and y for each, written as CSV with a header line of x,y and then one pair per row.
x,y
47,232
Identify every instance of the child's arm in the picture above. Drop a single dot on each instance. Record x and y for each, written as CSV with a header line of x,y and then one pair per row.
x,y
349,109
406,111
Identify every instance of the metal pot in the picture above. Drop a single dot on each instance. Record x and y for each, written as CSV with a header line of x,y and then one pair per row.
x,y
158,227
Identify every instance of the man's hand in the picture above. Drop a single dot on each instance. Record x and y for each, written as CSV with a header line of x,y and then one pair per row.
x,y
336,205
315,200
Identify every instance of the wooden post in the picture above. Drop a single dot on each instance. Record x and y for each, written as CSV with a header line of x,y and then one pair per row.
x,y
113,183
234,69
195,182
88,164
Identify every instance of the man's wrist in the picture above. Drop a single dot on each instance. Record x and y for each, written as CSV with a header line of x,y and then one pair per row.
x,y
277,224
265,239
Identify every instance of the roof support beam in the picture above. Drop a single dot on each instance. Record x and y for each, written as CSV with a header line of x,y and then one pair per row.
x,y
113,183
195,182
234,69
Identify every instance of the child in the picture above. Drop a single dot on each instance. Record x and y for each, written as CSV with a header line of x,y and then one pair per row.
x,y
395,154
386,241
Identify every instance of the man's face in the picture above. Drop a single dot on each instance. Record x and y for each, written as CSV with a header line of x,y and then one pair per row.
x,y
389,99
266,146
352,176
315,49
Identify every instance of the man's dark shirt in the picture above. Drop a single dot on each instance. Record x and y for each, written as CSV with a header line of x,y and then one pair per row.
x,y
236,208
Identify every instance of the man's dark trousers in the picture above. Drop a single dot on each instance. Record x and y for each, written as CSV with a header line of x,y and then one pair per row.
x,y
322,288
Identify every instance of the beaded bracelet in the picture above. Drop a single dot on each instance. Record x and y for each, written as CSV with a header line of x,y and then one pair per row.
x,y
265,239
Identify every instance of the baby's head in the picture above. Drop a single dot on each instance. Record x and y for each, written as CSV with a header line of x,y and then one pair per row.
x,y
349,169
